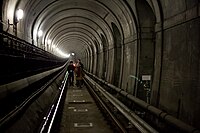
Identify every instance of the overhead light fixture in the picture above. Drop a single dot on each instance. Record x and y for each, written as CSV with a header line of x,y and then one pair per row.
x,y
53,46
73,54
40,33
49,41
19,14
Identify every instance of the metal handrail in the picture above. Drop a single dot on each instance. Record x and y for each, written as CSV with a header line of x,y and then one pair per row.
x,y
151,109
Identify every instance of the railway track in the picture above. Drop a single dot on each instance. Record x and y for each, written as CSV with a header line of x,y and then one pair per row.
x,y
24,109
15,117
43,108
122,118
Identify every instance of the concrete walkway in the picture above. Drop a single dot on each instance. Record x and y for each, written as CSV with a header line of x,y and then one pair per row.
x,y
81,115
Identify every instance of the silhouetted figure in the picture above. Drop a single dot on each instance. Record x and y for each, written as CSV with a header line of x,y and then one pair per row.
x,y
70,70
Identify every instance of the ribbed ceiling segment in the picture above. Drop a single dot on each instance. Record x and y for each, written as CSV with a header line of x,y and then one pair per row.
x,y
73,25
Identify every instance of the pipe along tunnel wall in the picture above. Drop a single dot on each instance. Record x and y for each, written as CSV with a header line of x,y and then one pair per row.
x,y
30,117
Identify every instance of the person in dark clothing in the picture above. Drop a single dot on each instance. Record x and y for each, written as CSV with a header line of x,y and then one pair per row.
x,y
70,70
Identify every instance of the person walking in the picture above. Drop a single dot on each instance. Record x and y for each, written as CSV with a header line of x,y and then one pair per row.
x,y
79,74
70,70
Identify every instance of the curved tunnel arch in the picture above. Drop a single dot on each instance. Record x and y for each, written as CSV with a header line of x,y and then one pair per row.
x,y
70,30
110,13
118,6
90,28
79,27
91,48
83,15
105,5
104,56
51,30
141,31
117,55
72,40
146,24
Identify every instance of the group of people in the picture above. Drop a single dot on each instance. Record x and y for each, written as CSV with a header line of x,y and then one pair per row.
x,y
77,71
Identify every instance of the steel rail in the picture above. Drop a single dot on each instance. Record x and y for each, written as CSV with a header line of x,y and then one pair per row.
x,y
117,123
25,103
140,124
50,117
155,111
58,103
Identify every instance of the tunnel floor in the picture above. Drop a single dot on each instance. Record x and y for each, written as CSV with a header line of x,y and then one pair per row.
x,y
81,114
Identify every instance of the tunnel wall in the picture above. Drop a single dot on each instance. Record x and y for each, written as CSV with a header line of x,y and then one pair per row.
x,y
11,88
33,116
179,85
170,28
175,77
174,59
130,63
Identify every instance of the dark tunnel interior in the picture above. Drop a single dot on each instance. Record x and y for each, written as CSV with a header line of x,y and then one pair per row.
x,y
126,43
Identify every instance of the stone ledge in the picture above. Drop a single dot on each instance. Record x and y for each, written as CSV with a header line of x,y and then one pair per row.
x,y
22,83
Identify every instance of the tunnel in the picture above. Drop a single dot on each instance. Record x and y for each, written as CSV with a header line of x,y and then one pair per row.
x,y
148,50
